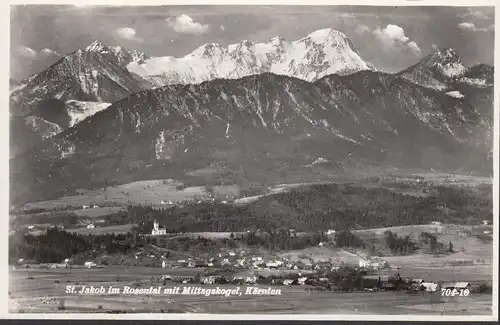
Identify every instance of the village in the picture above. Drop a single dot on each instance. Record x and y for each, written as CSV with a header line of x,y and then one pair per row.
x,y
233,267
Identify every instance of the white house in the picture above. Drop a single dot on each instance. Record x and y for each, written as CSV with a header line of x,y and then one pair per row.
x,y
436,223
157,230
288,282
90,226
302,280
485,222
90,264
320,244
163,264
85,207
330,232
232,253
95,206
364,263
430,286
208,280
251,279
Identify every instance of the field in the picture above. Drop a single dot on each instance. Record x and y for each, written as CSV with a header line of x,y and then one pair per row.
x,y
118,229
44,291
97,212
140,192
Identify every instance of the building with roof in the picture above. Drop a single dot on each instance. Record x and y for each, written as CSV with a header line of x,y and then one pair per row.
x,y
157,231
430,286
456,285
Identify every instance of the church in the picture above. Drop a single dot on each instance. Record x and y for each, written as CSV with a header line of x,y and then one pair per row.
x,y
157,231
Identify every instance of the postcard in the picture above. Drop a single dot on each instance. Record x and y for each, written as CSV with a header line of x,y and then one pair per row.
x,y
286,161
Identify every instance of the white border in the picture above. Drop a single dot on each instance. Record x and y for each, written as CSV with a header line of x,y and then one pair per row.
x,y
4,178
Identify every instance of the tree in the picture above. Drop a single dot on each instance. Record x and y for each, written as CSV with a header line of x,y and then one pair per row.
x,y
450,247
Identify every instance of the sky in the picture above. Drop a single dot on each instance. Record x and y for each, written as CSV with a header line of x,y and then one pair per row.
x,y
391,38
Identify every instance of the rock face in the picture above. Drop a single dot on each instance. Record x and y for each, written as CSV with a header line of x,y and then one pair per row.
x,y
264,124
321,53
444,69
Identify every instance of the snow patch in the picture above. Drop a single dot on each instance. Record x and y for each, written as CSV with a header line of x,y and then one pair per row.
x,y
455,94
79,111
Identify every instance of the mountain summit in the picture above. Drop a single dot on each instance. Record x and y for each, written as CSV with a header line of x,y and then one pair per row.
x,y
437,70
320,53
90,74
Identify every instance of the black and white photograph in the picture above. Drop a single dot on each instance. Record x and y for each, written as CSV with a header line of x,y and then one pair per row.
x,y
252,160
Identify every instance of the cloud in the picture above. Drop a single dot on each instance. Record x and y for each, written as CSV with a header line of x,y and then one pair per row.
x,y
48,52
27,52
393,37
127,33
186,25
480,14
473,28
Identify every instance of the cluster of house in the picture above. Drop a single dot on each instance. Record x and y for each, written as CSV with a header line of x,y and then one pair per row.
x,y
242,260
372,282
373,264
211,198
92,206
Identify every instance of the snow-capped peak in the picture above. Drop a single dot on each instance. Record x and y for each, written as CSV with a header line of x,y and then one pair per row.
x,y
97,46
207,50
321,35
125,56
320,53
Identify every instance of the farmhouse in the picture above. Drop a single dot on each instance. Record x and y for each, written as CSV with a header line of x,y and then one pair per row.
x,y
90,226
430,286
456,285
302,280
464,233
157,231
462,285
90,265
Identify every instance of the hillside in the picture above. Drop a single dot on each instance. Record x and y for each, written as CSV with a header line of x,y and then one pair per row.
x,y
243,129
93,75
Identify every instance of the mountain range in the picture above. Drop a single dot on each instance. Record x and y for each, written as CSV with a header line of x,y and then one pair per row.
x,y
248,114
320,53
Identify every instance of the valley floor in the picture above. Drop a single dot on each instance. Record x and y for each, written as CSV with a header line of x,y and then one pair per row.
x,y
40,294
